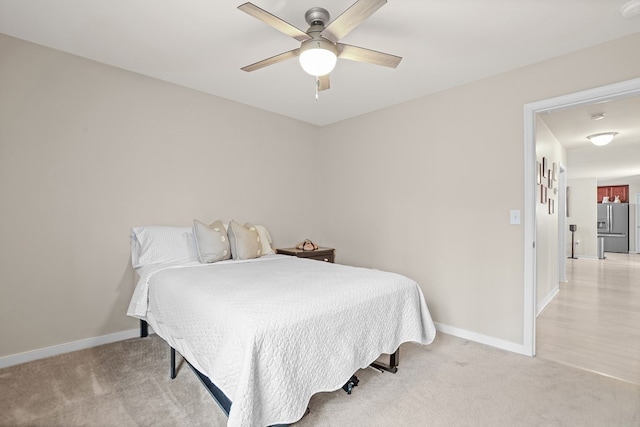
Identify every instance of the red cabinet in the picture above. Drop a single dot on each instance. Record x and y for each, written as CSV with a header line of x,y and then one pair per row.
x,y
612,191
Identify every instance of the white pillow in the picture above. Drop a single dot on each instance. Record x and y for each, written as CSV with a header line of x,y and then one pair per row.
x,y
245,242
265,239
159,244
212,242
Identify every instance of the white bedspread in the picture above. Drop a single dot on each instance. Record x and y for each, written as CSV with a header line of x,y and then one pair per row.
x,y
273,332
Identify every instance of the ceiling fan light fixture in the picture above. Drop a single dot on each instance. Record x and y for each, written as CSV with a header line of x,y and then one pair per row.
x,y
318,57
601,139
630,9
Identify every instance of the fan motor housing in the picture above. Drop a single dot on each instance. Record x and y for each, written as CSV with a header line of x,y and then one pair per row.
x,y
317,15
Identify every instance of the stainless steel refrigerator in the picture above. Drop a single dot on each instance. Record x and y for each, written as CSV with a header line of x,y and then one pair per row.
x,y
613,225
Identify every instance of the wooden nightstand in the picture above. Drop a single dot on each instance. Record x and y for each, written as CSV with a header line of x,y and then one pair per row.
x,y
320,254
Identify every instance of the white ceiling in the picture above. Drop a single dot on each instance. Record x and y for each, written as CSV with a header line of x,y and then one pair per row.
x,y
202,44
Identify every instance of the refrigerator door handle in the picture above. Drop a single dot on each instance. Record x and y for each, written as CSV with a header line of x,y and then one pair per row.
x,y
609,219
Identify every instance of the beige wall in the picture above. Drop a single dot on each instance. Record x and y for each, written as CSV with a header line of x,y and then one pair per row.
x,y
429,185
423,188
88,151
583,213
547,231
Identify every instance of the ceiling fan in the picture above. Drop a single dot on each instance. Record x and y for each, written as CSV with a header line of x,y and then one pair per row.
x,y
319,47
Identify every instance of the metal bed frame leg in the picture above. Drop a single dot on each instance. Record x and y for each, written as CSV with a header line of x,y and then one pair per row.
x,y
220,398
173,363
144,329
394,361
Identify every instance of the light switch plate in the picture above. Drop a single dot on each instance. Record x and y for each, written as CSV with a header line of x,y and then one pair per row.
x,y
514,216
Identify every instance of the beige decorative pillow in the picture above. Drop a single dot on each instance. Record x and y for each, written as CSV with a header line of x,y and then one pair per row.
x,y
244,241
212,241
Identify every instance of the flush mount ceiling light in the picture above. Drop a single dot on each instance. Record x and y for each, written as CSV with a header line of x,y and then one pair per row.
x,y
630,9
601,139
598,116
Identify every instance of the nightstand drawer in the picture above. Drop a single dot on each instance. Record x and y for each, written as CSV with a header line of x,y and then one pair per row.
x,y
320,254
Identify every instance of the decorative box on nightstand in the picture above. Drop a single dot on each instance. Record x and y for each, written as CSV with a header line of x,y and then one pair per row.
x,y
320,254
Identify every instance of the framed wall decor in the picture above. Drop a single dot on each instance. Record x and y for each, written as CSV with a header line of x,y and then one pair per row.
x,y
544,167
549,179
541,192
551,206
538,173
554,171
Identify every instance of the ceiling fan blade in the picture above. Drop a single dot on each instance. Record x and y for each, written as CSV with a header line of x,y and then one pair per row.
x,y
323,82
369,56
274,21
273,60
351,18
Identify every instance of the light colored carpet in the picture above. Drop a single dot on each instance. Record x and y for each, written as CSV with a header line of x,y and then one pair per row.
x,y
451,382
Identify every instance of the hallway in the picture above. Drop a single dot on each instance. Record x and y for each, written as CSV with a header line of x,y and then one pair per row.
x,y
593,323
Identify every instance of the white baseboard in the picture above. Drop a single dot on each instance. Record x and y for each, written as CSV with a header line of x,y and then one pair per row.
x,y
28,356
482,339
547,300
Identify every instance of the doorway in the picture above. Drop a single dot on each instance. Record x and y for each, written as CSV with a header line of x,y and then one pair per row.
x,y
601,94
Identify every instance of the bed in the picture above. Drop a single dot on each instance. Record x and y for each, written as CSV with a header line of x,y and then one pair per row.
x,y
272,330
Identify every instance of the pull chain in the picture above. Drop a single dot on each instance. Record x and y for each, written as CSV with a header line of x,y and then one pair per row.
x,y
317,86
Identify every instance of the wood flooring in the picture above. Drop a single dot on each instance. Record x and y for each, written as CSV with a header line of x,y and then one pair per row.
x,y
593,323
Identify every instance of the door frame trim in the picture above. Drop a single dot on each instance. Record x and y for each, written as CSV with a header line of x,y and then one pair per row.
x,y
637,224
599,94
562,223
